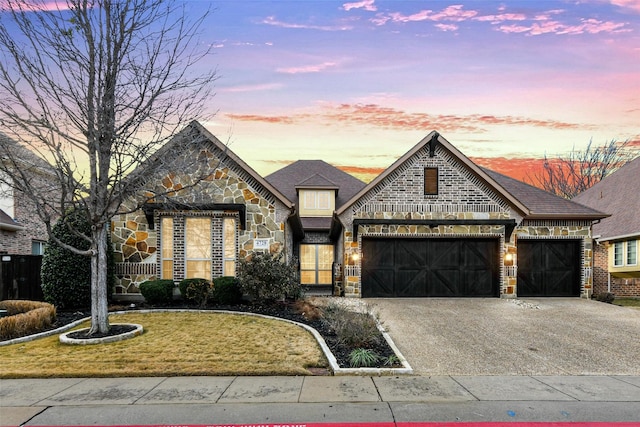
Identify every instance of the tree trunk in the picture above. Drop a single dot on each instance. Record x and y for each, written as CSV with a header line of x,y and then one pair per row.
x,y
99,303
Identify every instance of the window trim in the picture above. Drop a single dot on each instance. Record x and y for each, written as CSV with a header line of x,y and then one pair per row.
x,y
429,183
618,249
316,266
629,244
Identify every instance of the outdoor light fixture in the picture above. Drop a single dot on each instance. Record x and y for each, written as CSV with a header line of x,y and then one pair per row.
x,y
508,259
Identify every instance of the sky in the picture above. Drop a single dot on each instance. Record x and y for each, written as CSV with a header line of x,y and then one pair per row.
x,y
357,84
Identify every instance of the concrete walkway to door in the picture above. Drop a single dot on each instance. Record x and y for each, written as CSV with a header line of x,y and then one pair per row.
x,y
542,336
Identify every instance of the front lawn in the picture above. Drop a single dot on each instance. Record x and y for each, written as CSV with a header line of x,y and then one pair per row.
x,y
627,302
177,343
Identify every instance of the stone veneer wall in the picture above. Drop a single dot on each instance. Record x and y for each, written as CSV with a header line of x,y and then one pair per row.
x,y
556,229
136,244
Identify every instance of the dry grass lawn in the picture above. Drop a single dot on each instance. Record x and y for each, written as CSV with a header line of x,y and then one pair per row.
x,y
179,343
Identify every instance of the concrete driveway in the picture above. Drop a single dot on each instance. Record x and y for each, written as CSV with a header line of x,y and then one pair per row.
x,y
550,336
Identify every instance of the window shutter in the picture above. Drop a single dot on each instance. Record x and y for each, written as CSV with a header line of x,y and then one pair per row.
x,y
430,181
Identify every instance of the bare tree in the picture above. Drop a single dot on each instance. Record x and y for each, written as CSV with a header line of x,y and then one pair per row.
x,y
567,176
95,87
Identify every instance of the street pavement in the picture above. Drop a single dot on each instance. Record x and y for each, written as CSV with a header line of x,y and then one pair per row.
x,y
298,400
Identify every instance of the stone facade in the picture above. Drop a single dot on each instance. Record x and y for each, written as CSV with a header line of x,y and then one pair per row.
x,y
226,191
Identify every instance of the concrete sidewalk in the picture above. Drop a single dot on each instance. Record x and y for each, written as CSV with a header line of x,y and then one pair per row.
x,y
317,399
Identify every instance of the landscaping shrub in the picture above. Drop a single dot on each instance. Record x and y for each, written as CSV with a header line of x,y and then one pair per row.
x,y
226,290
66,276
196,291
352,329
266,277
157,292
607,297
363,358
25,318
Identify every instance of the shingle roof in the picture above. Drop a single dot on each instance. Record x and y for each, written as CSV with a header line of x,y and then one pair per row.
x,y
7,223
531,202
619,195
317,181
540,202
305,172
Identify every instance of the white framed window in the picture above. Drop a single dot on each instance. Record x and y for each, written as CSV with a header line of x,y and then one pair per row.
x,y
197,247
166,250
317,199
617,254
229,246
632,252
38,247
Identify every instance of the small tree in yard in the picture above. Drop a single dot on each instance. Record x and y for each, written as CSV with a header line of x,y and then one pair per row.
x,y
266,277
95,87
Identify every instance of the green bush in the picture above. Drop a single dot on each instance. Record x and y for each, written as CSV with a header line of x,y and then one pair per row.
x,y
607,297
266,277
226,290
363,358
66,276
157,292
196,291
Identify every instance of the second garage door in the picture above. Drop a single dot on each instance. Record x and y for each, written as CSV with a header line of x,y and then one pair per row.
x,y
548,268
439,267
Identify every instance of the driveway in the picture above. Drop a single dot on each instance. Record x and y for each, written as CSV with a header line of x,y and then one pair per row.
x,y
554,336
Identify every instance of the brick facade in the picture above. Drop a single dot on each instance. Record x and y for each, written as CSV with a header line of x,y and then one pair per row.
x,y
25,213
462,196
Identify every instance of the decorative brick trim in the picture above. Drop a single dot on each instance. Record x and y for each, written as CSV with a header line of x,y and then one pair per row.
x,y
127,268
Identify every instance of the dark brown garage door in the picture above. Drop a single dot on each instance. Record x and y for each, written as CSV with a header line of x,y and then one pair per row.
x,y
430,267
548,268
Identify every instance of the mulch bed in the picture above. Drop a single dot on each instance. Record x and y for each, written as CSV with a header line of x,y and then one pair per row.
x,y
282,310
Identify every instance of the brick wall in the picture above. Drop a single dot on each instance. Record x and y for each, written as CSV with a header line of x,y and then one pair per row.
x,y
19,242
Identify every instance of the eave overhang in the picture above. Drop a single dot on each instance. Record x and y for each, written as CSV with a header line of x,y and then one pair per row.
x,y
150,208
509,224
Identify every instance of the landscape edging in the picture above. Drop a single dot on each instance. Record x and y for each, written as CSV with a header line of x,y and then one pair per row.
x,y
333,363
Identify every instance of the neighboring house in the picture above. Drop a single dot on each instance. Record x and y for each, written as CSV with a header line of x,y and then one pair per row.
x,y
433,224
617,238
21,230
23,235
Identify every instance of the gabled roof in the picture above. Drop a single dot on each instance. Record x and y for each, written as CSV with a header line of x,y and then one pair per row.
x,y
178,142
318,181
618,194
305,172
531,202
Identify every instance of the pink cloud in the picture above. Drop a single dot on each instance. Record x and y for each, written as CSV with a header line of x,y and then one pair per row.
x,y
307,69
591,26
630,4
447,27
454,13
392,118
495,19
252,88
364,4
271,20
